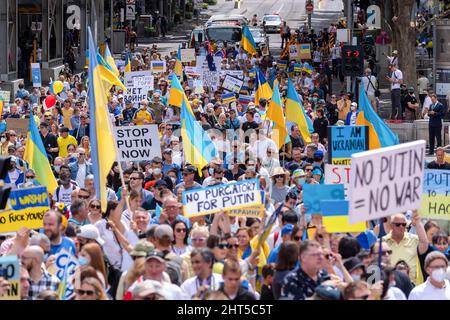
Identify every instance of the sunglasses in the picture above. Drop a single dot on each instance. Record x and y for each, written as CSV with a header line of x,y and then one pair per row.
x,y
400,224
279,176
365,297
30,177
222,245
386,252
134,178
85,292
297,238
308,170
180,230
93,206
83,197
231,246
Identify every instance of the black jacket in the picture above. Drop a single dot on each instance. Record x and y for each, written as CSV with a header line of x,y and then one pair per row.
x,y
243,294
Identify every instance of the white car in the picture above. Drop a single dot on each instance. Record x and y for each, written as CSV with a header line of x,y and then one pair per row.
x,y
272,23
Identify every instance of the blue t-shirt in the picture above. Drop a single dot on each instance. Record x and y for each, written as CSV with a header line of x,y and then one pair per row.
x,y
66,243
273,256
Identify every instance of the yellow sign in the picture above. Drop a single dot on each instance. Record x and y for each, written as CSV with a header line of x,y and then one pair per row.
x,y
11,272
255,211
342,161
436,195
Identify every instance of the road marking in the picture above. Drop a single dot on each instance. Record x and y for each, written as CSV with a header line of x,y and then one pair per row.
x,y
278,12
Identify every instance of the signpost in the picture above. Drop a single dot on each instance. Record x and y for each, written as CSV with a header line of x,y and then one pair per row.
x,y
309,8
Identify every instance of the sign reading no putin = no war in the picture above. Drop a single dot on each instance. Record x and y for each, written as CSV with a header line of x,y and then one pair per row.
x,y
222,197
386,181
136,143
436,195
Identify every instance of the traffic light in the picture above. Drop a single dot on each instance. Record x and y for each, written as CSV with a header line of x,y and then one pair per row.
x,y
352,61
5,164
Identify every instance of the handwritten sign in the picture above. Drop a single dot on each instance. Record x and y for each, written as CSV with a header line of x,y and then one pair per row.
x,y
436,195
345,141
187,55
232,84
338,174
11,272
314,193
305,51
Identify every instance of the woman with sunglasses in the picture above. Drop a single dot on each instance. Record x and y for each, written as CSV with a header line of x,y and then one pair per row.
x,y
90,289
95,211
219,247
279,185
180,243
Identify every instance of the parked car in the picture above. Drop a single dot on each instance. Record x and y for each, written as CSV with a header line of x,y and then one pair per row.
x,y
272,23
260,36
234,19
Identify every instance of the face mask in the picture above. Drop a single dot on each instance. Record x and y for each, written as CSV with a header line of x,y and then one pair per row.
x,y
392,284
314,100
30,181
438,274
301,181
83,261
353,108
57,168
356,277
211,171
2,140
157,171
174,180
251,168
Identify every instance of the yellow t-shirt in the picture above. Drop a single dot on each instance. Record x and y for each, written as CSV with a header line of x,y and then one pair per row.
x,y
142,115
63,143
67,114
405,250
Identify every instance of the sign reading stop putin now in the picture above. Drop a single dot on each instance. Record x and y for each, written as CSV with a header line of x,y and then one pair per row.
x,y
136,143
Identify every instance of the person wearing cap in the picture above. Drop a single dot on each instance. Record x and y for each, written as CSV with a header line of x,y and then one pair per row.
x,y
286,232
64,140
14,175
298,179
393,60
395,77
352,115
89,234
143,116
355,267
82,129
411,105
370,83
279,187
168,164
149,290
128,113
188,179
320,124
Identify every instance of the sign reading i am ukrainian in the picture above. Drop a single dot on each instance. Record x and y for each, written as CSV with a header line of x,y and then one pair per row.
x,y
345,141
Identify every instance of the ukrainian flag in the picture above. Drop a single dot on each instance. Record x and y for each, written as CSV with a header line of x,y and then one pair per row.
x,y
228,97
380,135
198,148
36,156
176,94
262,87
178,69
276,114
110,61
127,63
296,113
2,105
335,217
107,74
103,148
247,42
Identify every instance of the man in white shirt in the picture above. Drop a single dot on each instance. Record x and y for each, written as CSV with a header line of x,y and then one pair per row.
x,y
396,79
393,59
436,287
370,84
422,86
260,146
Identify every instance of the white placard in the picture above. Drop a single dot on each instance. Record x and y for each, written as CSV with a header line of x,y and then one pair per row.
x,y
143,82
234,73
386,181
129,76
198,87
136,143
187,55
210,79
342,35
158,66
338,174
137,93
232,84
218,198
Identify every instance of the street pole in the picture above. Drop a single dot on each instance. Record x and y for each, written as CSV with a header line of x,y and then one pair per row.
x,y
309,22
349,36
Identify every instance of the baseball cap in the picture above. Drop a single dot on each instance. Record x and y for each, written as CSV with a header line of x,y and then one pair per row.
x,y
353,264
298,173
89,231
189,169
120,96
48,113
148,287
161,183
287,229
167,150
142,248
156,254
164,230
411,89
157,160
354,104
318,154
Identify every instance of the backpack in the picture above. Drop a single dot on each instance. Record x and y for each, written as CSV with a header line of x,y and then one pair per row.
x,y
59,188
173,267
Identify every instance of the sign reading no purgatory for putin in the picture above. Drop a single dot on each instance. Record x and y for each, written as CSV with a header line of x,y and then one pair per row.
x,y
224,197
386,181
136,143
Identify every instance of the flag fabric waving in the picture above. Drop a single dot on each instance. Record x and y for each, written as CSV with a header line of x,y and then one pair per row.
x,y
178,69
380,135
127,67
110,61
296,113
103,148
276,114
107,73
262,87
247,42
36,156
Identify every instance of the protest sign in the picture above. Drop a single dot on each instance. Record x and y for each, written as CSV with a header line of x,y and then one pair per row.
x,y
144,80
6,95
158,66
345,141
191,71
222,197
232,84
386,181
137,143
198,87
335,217
64,269
436,195
20,126
187,55
36,74
294,52
282,64
337,174
256,211
26,209
314,193
10,271
234,73
211,78
305,51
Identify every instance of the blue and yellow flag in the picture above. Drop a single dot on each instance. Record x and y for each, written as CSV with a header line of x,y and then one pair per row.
x,y
178,69
110,61
380,135
37,159
107,73
176,93
335,217
103,148
127,67
228,97
262,87
296,113
247,42
276,114
198,148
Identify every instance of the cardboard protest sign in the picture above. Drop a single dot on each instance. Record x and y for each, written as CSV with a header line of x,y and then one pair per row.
x,y
232,84
314,193
26,209
211,78
10,271
436,195
187,55
198,87
144,82
234,73
6,95
237,195
345,141
294,52
256,211
305,51
20,126
335,217
158,66
337,174
64,269
136,143
386,181
36,74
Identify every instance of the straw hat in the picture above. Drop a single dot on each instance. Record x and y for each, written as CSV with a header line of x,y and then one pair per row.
x,y
277,171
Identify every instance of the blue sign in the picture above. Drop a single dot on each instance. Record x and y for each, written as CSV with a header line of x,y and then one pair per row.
x,y
36,74
30,197
314,193
345,141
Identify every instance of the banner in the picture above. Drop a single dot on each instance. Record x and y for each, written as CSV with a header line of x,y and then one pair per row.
x,y
314,193
64,266
187,55
232,84
386,181
338,174
335,217
10,271
158,66
144,83
294,52
228,97
136,143
234,73
237,195
26,209
20,126
436,195
345,141
256,211
36,74
210,78
305,51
